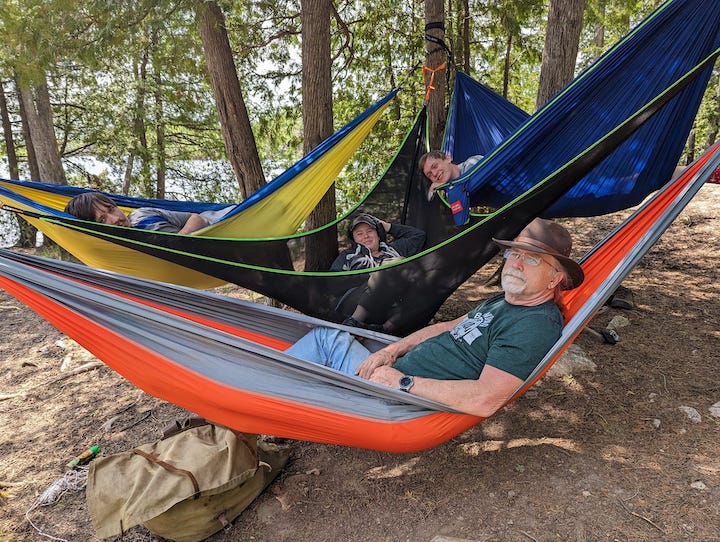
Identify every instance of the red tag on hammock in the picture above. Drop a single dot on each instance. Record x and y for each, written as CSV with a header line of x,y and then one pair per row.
x,y
456,207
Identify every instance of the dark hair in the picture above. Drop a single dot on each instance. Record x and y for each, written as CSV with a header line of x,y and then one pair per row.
x,y
83,205
440,155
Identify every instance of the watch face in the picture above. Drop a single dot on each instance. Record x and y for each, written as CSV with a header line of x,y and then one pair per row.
x,y
406,382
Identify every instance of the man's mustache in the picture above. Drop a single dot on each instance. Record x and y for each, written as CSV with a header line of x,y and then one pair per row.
x,y
514,273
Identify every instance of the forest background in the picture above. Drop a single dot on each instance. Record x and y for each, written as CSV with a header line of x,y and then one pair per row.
x,y
207,100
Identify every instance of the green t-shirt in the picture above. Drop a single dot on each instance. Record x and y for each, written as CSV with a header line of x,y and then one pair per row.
x,y
512,338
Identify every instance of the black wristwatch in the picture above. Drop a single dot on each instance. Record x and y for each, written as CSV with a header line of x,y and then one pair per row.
x,y
406,382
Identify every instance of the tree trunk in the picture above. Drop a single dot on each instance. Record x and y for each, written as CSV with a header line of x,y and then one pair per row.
x,y
714,118
36,106
690,148
30,149
234,120
9,141
562,41
127,177
160,145
599,31
159,127
435,13
466,36
320,250
141,144
506,65
28,235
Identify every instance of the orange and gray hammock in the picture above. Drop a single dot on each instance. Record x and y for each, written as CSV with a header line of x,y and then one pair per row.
x,y
224,359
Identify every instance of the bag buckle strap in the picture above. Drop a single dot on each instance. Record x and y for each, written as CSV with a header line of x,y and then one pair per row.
x,y
170,468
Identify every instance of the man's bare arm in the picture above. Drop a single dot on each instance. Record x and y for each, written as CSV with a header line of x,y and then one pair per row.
x,y
392,352
481,397
195,222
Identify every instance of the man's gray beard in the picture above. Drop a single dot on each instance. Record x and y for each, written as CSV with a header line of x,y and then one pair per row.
x,y
512,285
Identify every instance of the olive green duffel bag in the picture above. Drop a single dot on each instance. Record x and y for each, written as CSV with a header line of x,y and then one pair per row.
x,y
184,487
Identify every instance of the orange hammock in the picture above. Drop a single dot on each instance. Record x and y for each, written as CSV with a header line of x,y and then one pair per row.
x,y
223,358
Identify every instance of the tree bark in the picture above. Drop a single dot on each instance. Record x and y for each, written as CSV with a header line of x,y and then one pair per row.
x,y
435,13
466,36
30,149
562,41
159,127
234,120
140,146
9,141
714,119
28,233
599,31
506,65
127,176
321,249
160,144
36,106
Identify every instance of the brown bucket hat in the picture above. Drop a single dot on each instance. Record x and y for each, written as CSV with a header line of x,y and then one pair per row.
x,y
548,237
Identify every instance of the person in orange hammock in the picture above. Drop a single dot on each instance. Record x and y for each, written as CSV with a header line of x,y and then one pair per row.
x,y
476,362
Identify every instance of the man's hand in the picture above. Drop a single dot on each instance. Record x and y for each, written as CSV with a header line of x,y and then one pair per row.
x,y
378,359
387,375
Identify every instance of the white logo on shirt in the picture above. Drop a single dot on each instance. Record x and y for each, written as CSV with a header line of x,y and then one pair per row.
x,y
468,330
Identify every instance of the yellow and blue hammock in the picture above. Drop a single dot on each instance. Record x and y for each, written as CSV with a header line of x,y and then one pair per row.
x,y
224,359
279,208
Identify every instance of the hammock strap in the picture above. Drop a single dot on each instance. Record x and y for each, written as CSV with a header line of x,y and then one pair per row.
x,y
430,83
438,25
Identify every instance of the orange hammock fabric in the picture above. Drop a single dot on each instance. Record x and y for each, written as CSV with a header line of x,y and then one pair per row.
x,y
223,359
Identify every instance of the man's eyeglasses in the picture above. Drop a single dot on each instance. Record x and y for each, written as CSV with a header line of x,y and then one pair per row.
x,y
528,259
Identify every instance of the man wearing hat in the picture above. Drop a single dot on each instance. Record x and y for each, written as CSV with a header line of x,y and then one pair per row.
x,y
474,363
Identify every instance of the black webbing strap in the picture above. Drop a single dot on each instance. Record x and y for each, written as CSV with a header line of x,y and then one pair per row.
x,y
438,25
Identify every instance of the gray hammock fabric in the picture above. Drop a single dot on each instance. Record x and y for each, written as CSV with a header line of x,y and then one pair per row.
x,y
223,358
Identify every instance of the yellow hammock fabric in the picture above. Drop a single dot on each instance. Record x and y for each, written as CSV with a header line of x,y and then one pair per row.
x,y
102,254
283,212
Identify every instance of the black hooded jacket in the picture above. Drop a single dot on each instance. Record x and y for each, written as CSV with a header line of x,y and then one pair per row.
x,y
407,241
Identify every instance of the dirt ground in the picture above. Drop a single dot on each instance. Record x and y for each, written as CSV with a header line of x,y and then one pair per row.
x,y
603,455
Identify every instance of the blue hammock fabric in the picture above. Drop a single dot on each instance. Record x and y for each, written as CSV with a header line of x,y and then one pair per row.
x,y
678,36
479,119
